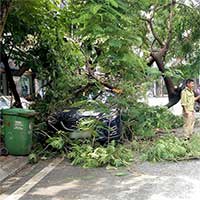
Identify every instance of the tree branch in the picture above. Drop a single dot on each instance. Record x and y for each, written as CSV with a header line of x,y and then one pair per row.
x,y
4,10
21,71
162,7
153,32
152,45
150,61
149,21
168,81
91,74
169,37
89,69
83,88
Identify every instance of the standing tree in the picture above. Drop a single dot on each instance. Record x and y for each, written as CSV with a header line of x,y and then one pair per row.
x,y
25,39
172,33
5,6
97,43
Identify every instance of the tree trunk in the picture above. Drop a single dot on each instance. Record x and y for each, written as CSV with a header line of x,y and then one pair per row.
x,y
174,94
4,9
12,86
168,81
158,56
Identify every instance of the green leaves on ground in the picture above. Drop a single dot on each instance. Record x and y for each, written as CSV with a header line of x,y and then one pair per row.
x,y
173,148
194,147
32,158
56,142
113,155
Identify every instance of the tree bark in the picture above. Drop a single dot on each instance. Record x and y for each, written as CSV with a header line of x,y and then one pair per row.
x,y
158,56
12,85
168,81
4,9
21,70
174,94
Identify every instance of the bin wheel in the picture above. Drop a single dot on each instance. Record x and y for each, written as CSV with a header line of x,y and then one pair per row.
x,y
3,152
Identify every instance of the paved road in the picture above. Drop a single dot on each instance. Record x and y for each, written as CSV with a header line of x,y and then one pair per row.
x,y
61,181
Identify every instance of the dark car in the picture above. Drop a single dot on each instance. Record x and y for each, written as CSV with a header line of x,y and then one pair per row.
x,y
78,120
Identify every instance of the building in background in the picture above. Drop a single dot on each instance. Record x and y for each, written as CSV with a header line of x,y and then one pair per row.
x,y
25,84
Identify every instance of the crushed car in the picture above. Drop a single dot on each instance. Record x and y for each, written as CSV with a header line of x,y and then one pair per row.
x,y
84,122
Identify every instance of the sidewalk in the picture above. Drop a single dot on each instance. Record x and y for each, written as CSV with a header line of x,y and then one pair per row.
x,y
10,165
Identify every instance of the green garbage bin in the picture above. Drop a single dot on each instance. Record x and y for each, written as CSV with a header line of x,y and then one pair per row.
x,y
17,130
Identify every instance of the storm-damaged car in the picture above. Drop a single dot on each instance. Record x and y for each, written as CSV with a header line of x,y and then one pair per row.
x,y
91,118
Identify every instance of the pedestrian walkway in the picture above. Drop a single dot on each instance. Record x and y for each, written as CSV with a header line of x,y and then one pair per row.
x,y
10,165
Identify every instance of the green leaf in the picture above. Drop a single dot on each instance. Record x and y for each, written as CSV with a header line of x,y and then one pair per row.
x,y
95,8
32,158
113,3
122,174
56,142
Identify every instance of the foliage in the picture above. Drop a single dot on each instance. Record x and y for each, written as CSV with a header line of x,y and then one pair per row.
x,y
193,146
142,120
173,148
47,146
113,155
62,44
76,48
168,148
56,142
32,158
83,152
58,43
184,45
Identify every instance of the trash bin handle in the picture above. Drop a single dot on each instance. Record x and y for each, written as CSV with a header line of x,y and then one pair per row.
x,y
28,114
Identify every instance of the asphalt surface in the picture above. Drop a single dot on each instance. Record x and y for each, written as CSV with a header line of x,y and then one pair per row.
x,y
10,165
141,181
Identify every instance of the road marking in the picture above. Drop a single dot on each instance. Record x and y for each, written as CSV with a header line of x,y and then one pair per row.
x,y
20,192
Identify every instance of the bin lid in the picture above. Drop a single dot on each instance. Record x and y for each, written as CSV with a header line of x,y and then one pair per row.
x,y
19,112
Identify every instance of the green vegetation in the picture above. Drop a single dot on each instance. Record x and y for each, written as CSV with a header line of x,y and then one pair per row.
x,y
173,148
111,155
81,48
88,153
142,120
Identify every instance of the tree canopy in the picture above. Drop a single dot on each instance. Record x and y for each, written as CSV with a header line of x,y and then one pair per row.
x,y
75,45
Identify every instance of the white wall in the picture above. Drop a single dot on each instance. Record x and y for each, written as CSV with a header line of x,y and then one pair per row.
x,y
162,101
